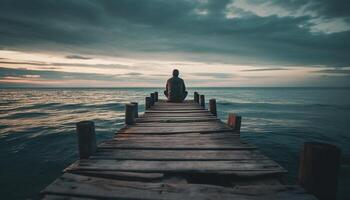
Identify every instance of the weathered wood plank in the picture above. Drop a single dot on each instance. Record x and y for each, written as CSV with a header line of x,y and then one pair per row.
x,y
101,188
183,124
175,119
165,130
129,154
66,197
177,114
170,145
187,136
167,108
177,111
176,166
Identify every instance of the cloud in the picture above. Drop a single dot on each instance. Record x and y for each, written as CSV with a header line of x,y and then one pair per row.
x,y
23,63
334,71
55,65
319,15
133,74
62,77
258,33
78,57
52,75
264,69
214,75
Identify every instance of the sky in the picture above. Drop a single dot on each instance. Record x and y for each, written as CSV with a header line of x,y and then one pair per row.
x,y
214,43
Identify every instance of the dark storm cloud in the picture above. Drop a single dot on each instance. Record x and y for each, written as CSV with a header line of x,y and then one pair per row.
x,y
133,74
195,30
213,75
47,64
78,57
23,63
264,69
58,75
52,75
334,71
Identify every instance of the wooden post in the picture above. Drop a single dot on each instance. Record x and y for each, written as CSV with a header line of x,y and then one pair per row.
x,y
196,97
318,169
147,103
86,138
156,96
152,99
136,109
202,100
234,121
212,106
129,114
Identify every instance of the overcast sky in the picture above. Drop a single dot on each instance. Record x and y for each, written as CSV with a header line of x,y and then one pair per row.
x,y
118,43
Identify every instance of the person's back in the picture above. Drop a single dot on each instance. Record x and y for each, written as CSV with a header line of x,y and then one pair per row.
x,y
175,88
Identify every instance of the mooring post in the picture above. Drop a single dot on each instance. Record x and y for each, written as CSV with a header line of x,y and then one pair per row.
x,y
86,138
147,103
129,113
136,109
156,96
318,169
212,106
202,100
152,99
196,97
234,121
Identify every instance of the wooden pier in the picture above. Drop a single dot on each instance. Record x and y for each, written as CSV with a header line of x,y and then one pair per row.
x,y
173,151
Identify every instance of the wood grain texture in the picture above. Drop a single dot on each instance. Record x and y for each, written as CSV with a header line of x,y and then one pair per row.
x,y
131,154
101,188
175,166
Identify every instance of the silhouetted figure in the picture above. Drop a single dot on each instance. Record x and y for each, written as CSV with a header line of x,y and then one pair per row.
x,y
175,88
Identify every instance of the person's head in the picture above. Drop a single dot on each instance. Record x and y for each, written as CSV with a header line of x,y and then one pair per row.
x,y
175,72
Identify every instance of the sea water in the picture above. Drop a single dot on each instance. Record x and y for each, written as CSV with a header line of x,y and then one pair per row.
x,y
37,126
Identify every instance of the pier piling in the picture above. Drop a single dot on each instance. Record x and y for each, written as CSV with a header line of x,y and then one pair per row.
x,y
156,96
234,121
152,99
136,109
196,97
202,101
130,113
86,138
147,103
212,106
318,171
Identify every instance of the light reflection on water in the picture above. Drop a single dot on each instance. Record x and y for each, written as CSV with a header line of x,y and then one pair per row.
x,y
37,126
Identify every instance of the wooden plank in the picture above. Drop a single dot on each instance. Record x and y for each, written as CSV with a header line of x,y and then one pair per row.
x,y
169,130
176,166
183,124
66,197
177,111
130,176
175,119
129,154
170,145
187,136
101,188
202,138
167,108
177,114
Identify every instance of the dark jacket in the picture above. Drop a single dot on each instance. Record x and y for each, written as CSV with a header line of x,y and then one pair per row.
x,y
176,89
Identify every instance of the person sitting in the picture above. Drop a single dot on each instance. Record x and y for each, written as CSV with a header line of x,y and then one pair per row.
x,y
175,88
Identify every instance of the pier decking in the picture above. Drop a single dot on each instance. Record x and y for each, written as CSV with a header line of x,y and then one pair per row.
x,y
175,151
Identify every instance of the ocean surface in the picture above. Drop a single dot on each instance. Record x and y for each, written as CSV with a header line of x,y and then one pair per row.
x,y
37,127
